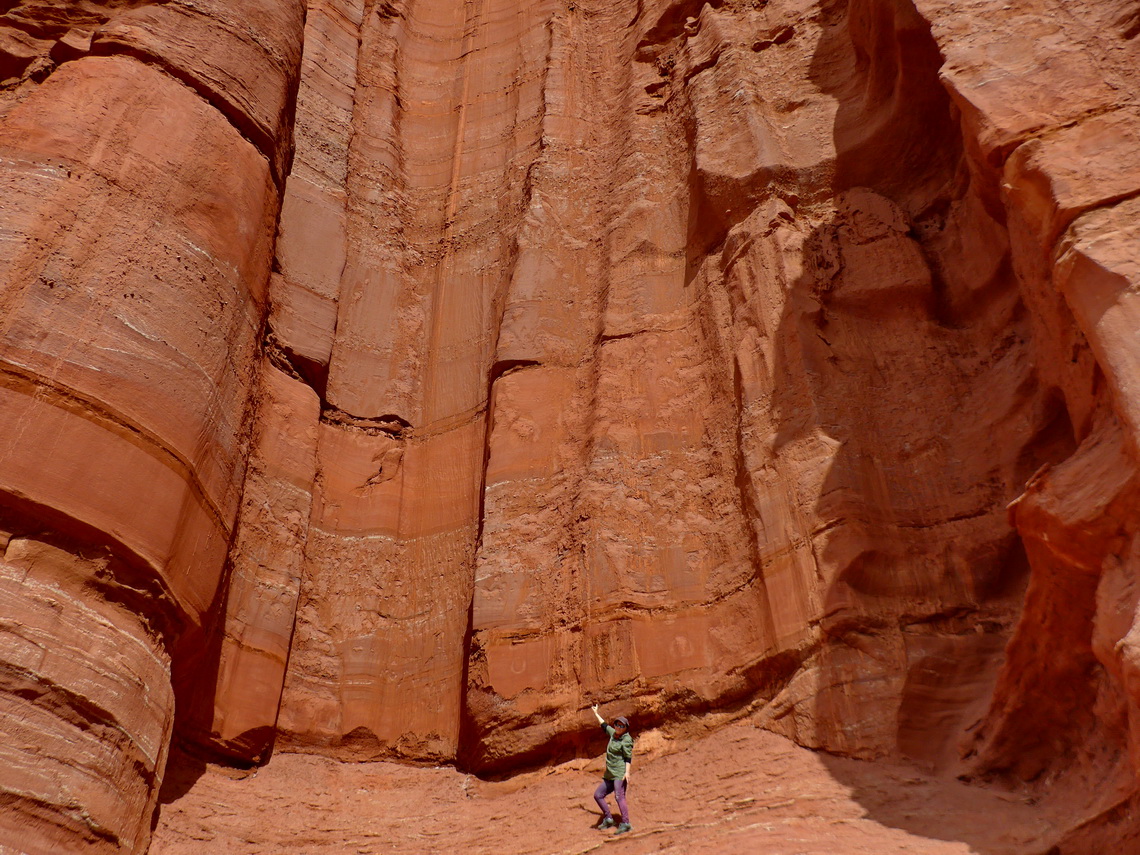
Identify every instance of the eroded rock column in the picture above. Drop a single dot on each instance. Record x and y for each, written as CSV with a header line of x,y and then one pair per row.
x,y
140,155
445,122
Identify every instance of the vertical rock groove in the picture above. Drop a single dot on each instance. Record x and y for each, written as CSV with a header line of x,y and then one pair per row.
x,y
137,228
445,120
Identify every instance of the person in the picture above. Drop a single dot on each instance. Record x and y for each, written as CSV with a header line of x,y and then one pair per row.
x,y
619,763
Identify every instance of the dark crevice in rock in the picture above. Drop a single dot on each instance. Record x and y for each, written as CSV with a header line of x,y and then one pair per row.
x,y
1074,216
392,425
387,9
1054,440
262,140
1130,25
118,423
702,66
673,22
126,578
56,817
76,710
781,36
312,373
510,366
606,339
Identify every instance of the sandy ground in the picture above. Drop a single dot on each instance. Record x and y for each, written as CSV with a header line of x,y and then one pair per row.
x,y
740,790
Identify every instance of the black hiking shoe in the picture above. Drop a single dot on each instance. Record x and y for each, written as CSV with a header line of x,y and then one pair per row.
x,y
623,828
607,822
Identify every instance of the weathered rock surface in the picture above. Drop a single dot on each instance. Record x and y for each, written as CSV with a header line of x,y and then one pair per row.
x,y
137,233
87,707
403,377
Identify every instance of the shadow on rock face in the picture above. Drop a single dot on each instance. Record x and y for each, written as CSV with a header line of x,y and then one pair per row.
x,y
907,370
912,369
182,771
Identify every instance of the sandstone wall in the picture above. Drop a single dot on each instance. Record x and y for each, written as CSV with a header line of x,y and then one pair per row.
x,y
141,150
694,358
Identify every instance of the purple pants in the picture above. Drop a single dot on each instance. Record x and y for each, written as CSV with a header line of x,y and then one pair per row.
x,y
618,788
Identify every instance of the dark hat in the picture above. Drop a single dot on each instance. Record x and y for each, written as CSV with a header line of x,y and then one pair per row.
x,y
623,721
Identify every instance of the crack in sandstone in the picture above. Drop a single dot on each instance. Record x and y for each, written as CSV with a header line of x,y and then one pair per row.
x,y
1073,220
75,709
263,142
39,809
1004,153
829,525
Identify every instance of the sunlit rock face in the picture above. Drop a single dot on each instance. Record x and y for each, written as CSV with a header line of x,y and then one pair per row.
x,y
395,380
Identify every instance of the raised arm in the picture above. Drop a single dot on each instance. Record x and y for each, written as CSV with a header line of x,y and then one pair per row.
x,y
597,715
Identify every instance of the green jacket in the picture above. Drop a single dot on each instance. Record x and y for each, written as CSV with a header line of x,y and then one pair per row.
x,y
618,753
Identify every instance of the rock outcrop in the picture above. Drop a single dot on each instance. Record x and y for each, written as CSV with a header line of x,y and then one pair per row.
x,y
397,379
137,233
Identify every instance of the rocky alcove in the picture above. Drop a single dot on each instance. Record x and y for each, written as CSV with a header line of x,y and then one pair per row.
x,y
391,381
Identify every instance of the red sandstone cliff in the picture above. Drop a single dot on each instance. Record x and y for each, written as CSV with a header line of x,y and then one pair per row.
x,y
396,379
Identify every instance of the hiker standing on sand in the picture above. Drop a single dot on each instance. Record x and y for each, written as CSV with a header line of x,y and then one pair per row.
x,y
619,759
